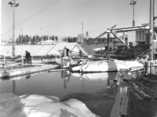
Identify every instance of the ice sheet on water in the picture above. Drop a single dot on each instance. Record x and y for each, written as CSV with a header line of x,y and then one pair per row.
x,y
41,106
108,65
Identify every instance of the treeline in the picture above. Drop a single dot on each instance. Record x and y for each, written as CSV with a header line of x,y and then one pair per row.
x,y
70,39
86,41
26,39
95,41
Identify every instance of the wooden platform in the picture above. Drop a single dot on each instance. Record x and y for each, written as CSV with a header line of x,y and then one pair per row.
x,y
25,70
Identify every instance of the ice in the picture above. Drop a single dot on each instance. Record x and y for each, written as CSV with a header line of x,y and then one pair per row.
x,y
108,65
41,106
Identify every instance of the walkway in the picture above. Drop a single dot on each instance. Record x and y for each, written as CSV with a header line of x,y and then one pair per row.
x,y
25,70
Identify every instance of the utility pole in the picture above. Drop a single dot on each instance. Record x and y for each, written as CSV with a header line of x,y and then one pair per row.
x,y
133,3
82,26
151,24
0,22
13,4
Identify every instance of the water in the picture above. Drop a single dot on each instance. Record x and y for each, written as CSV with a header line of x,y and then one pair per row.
x,y
57,83
97,91
145,107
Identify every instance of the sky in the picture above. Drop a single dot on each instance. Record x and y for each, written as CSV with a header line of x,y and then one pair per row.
x,y
64,17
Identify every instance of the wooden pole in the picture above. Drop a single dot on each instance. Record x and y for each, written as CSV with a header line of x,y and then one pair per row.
x,y
151,21
13,33
108,44
133,3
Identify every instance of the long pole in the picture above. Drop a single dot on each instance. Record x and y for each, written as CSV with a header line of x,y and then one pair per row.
x,y
13,4
133,15
133,3
151,25
13,32
108,44
82,26
151,21
0,22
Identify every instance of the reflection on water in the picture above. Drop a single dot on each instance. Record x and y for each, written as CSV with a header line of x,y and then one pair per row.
x,y
92,89
154,70
58,83
96,90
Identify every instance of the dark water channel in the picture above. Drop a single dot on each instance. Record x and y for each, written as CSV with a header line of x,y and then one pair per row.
x,y
144,107
96,90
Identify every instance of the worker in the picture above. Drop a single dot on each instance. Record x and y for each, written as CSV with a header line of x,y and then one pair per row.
x,y
66,52
146,64
28,58
80,53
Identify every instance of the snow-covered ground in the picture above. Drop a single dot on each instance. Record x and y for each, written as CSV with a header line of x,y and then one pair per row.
x,y
92,76
42,50
108,65
41,106
35,50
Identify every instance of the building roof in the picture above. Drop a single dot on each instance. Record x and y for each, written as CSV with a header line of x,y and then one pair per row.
x,y
42,50
35,50
46,42
73,47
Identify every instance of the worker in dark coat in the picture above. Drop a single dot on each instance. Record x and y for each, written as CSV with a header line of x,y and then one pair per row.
x,y
28,58
66,52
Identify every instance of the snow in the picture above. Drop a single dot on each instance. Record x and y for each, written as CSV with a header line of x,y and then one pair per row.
x,y
128,64
35,50
108,65
47,42
99,49
92,66
73,47
41,106
92,76
42,50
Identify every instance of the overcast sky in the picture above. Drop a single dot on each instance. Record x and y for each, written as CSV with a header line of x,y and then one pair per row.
x,y
64,17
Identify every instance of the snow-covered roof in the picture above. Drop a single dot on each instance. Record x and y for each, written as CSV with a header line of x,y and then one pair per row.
x,y
42,50
73,47
99,49
47,42
35,50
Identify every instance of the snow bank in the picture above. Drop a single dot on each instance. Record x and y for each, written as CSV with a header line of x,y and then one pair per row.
x,y
128,64
107,66
92,76
11,106
41,106
99,49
